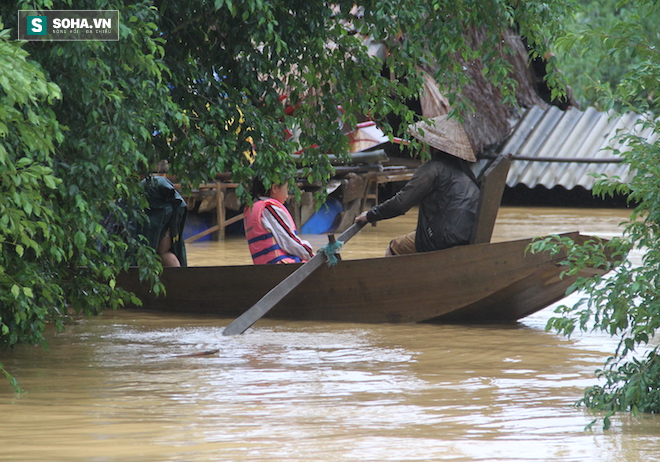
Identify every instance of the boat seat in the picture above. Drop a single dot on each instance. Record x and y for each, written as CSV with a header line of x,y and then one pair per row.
x,y
491,183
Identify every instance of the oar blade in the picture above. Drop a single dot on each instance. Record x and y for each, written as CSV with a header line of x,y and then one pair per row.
x,y
272,298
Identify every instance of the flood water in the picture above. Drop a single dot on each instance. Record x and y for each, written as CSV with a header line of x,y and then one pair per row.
x,y
114,387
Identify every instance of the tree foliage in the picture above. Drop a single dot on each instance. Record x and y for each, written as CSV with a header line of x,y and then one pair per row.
x,y
29,131
626,302
200,84
606,40
75,131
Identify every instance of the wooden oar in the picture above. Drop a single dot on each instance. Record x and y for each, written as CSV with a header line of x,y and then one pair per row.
x,y
272,298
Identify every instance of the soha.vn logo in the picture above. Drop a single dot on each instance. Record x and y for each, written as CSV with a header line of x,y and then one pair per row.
x,y
82,23
62,25
37,25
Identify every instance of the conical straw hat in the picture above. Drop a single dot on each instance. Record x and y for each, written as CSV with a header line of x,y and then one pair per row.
x,y
447,135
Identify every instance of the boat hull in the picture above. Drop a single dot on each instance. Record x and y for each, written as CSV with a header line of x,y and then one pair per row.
x,y
495,282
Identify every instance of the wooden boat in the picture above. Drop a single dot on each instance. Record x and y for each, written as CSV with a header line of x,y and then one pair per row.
x,y
478,283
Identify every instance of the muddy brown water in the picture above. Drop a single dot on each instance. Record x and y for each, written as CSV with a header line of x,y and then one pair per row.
x,y
112,388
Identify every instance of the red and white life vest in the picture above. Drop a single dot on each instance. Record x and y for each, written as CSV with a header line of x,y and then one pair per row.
x,y
261,241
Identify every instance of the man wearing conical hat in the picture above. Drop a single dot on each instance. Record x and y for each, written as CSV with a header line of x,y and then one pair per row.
x,y
444,188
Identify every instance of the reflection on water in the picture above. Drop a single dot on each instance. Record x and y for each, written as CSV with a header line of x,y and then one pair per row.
x,y
115,387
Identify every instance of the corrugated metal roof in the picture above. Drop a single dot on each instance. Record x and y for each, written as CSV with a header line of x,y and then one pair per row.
x,y
572,135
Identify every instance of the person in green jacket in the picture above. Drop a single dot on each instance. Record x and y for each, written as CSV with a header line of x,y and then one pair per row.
x,y
167,214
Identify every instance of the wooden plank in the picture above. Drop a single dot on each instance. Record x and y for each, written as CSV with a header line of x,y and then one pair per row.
x,y
492,187
200,235
212,229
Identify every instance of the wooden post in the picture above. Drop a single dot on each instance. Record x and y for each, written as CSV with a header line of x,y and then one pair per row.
x,y
220,212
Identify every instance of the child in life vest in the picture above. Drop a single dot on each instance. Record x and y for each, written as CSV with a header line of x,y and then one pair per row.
x,y
270,229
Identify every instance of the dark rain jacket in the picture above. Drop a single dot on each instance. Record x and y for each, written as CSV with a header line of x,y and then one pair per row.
x,y
447,194
167,210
